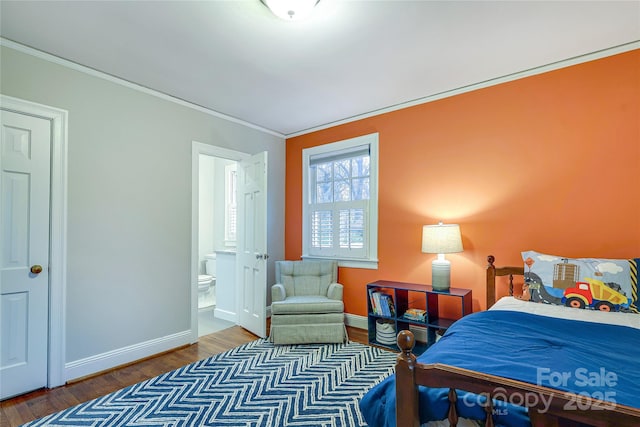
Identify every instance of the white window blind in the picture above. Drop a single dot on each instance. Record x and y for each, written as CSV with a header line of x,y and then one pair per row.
x,y
338,220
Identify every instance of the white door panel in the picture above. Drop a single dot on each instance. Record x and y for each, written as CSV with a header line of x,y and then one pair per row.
x,y
252,244
24,245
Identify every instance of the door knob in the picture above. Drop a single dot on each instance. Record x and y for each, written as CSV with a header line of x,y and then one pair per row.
x,y
36,269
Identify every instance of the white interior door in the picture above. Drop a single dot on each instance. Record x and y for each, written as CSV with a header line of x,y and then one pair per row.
x,y
24,252
251,262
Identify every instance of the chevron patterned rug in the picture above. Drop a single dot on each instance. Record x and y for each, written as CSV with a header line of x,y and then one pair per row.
x,y
257,384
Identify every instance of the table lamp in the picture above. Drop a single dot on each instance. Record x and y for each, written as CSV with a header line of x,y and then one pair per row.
x,y
441,239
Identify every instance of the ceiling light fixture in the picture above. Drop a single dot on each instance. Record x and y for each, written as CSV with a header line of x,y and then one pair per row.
x,y
291,10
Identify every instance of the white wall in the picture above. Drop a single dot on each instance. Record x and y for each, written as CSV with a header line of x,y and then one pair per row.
x,y
129,201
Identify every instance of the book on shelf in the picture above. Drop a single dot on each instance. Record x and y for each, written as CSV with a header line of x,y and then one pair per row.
x,y
387,305
372,297
384,305
372,301
381,303
376,297
416,314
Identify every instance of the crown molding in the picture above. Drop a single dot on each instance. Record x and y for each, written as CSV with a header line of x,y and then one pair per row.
x,y
95,73
603,53
481,85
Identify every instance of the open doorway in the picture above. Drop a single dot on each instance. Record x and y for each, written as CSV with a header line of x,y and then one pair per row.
x,y
214,223
216,241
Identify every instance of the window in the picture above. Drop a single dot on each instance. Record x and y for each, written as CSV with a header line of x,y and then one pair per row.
x,y
340,202
231,206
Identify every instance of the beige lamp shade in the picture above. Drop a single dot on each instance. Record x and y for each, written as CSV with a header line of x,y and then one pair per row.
x,y
441,239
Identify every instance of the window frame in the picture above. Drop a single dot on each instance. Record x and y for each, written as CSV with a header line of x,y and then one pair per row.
x,y
370,258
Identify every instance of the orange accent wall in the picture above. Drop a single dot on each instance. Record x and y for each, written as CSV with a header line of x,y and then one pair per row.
x,y
549,162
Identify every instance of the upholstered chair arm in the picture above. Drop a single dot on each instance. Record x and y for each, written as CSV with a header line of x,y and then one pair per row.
x,y
278,293
335,291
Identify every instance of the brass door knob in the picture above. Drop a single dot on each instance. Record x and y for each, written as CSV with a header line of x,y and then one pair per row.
x,y
36,269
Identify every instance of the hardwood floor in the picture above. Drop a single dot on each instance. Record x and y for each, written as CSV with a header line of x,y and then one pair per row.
x,y
28,407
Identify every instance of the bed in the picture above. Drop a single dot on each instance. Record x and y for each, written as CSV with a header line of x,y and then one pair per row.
x,y
517,364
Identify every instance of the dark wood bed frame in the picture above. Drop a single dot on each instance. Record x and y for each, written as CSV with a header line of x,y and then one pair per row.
x,y
410,374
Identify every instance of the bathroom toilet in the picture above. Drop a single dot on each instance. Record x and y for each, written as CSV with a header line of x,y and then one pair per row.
x,y
207,282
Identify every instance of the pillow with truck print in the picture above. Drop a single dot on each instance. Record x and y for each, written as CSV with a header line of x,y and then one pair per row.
x,y
586,283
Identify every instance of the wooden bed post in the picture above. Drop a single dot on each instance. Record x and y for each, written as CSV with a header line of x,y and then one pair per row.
x,y
491,279
493,272
407,414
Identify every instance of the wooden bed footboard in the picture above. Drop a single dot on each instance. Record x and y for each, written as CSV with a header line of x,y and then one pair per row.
x,y
547,407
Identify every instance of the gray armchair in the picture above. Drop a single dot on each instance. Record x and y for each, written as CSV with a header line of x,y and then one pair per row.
x,y
306,303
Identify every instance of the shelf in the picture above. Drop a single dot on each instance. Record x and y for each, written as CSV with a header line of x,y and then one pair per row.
x,y
403,296
379,316
442,323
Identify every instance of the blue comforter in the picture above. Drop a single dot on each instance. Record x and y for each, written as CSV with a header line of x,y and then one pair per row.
x,y
594,359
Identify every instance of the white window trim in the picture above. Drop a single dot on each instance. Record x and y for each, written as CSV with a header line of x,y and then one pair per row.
x,y
371,262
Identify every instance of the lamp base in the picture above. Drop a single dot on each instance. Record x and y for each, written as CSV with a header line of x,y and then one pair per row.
x,y
440,274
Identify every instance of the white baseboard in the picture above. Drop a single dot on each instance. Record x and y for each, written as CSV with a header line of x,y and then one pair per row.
x,y
229,316
419,333
356,321
111,359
